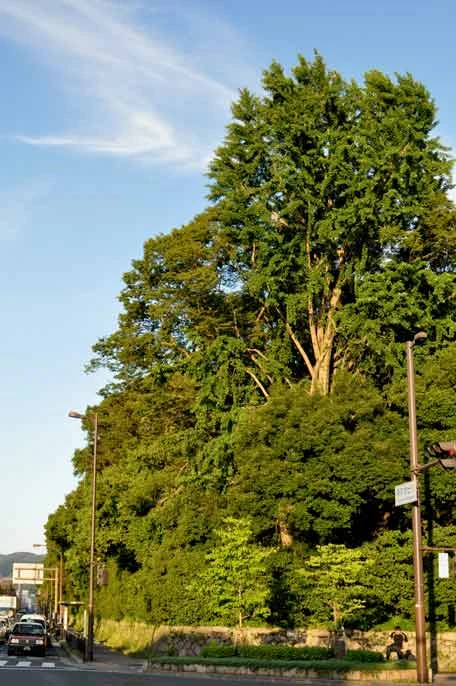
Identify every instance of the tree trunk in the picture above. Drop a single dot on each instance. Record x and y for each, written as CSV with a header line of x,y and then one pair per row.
x,y
321,381
286,537
322,335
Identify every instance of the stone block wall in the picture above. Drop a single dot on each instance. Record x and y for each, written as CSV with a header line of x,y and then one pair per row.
x,y
189,640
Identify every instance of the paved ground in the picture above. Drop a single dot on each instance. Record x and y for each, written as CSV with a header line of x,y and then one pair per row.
x,y
56,658
107,659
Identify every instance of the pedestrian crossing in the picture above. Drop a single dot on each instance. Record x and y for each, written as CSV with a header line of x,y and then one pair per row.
x,y
14,662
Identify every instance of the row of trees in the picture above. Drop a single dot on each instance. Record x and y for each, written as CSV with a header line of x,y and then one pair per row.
x,y
256,423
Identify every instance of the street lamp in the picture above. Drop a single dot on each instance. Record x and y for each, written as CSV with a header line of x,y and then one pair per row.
x,y
89,643
420,628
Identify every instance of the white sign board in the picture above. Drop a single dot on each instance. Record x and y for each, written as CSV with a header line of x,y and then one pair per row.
x,y
444,566
28,573
405,493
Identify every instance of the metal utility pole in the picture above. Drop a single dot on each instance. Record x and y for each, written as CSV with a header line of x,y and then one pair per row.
x,y
60,585
88,653
59,572
420,628
56,592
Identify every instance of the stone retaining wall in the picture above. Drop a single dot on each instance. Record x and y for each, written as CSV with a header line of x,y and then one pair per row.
x,y
189,641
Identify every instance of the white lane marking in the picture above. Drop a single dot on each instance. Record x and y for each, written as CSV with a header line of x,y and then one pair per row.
x,y
48,664
23,663
3,663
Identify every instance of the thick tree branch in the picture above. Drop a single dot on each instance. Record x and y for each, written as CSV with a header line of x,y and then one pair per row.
x,y
258,383
300,349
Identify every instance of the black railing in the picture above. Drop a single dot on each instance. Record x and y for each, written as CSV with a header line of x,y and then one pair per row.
x,y
75,640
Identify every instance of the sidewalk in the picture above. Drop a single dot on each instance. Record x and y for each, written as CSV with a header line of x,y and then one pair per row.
x,y
107,659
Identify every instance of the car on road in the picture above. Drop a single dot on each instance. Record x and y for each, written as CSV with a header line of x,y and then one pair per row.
x,y
27,638
38,619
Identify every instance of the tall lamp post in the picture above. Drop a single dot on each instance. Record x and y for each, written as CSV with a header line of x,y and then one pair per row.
x,y
420,627
89,643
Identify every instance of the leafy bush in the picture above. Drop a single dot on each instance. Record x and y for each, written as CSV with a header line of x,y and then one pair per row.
x,y
280,652
364,656
214,649
267,652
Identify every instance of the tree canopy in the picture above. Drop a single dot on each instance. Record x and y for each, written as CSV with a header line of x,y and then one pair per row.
x,y
258,399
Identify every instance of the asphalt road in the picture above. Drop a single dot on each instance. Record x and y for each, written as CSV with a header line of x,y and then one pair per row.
x,y
59,669
74,675
55,657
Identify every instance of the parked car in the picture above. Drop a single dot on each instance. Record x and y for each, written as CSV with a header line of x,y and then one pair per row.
x,y
27,638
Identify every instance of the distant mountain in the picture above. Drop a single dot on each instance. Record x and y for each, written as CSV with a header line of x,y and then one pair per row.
x,y
6,561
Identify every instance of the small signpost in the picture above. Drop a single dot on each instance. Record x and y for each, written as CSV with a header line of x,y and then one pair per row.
x,y
444,566
405,493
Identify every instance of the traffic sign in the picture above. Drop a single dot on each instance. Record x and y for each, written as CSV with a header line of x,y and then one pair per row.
x,y
444,566
28,573
405,493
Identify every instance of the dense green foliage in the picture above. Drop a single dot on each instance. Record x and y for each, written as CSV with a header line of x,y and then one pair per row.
x,y
364,656
285,652
256,423
267,652
236,572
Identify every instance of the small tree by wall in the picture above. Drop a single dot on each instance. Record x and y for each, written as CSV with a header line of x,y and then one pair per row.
x,y
236,581
329,583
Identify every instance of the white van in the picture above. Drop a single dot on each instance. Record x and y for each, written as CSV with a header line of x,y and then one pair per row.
x,y
31,617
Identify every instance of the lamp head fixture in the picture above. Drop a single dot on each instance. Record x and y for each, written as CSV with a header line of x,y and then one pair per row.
x,y
420,336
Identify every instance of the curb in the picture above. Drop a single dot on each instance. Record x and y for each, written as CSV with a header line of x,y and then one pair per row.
x,y
309,676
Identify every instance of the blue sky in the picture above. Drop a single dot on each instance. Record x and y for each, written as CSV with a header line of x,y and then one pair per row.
x,y
110,112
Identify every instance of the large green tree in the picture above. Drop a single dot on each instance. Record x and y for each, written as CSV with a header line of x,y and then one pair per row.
x,y
322,182
321,469
258,361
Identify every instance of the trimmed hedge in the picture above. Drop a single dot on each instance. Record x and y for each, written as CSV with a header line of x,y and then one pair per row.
x,y
288,653
364,656
267,652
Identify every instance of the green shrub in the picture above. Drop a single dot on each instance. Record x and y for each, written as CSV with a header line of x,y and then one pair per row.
x,y
266,652
214,649
285,653
364,656
281,652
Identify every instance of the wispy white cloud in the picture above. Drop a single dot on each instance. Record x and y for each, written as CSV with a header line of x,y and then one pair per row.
x,y
140,90
18,205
